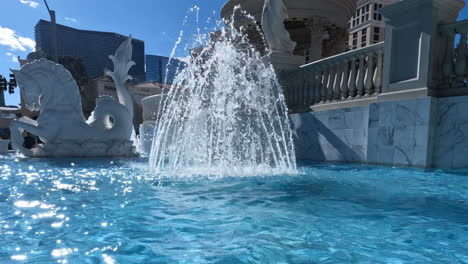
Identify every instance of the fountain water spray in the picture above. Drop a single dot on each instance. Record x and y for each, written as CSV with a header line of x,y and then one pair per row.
x,y
225,113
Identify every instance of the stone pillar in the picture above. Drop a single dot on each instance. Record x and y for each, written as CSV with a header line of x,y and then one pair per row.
x,y
317,35
414,48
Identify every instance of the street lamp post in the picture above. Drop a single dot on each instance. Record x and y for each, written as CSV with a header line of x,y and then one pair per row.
x,y
53,32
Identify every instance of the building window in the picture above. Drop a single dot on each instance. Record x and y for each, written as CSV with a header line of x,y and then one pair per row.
x,y
363,45
358,12
364,38
355,35
354,42
376,37
367,8
376,7
364,31
367,17
376,30
375,16
380,17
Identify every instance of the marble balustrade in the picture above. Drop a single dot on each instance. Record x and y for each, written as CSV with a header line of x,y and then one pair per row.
x,y
349,76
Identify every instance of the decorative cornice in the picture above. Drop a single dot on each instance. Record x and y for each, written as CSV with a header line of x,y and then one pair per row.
x,y
397,8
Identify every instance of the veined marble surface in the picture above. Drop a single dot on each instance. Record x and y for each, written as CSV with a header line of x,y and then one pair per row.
x,y
390,133
451,133
399,132
335,135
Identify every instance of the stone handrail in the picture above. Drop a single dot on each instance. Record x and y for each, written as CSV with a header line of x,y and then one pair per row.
x,y
454,67
348,76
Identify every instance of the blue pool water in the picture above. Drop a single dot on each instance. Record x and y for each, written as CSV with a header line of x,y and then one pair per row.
x,y
103,211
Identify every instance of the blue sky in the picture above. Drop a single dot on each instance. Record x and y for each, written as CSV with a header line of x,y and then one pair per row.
x,y
157,22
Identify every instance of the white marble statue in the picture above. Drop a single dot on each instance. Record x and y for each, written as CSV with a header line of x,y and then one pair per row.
x,y
278,38
61,126
122,63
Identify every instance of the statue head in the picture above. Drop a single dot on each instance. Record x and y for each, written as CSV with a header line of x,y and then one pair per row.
x,y
30,89
39,76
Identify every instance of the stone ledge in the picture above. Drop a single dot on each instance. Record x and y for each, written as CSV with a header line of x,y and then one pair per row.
x,y
343,104
364,101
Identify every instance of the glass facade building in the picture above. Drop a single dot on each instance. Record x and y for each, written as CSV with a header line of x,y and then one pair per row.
x,y
94,48
159,69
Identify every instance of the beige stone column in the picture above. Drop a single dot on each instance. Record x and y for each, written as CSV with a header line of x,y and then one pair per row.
x,y
317,35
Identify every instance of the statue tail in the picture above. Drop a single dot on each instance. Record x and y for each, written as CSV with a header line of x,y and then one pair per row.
x,y
112,117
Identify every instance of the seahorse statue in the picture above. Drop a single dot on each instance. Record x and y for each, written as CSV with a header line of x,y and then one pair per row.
x,y
50,88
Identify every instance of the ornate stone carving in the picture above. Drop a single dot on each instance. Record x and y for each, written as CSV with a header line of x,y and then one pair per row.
x,y
61,126
122,63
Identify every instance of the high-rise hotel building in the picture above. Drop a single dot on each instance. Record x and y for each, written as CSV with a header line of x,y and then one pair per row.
x,y
366,26
93,47
162,69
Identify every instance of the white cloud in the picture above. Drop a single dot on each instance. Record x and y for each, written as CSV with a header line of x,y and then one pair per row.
x,y
11,39
71,19
31,3
13,57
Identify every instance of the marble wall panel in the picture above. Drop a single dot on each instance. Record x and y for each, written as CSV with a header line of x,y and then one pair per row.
x,y
335,135
392,133
450,138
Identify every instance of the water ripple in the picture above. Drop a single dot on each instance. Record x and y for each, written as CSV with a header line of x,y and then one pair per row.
x,y
53,211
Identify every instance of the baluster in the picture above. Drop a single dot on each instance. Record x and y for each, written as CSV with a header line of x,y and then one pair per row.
x,y
318,86
339,76
369,77
331,83
324,83
460,64
299,86
293,90
378,71
360,79
311,89
447,67
352,79
298,90
304,88
344,80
